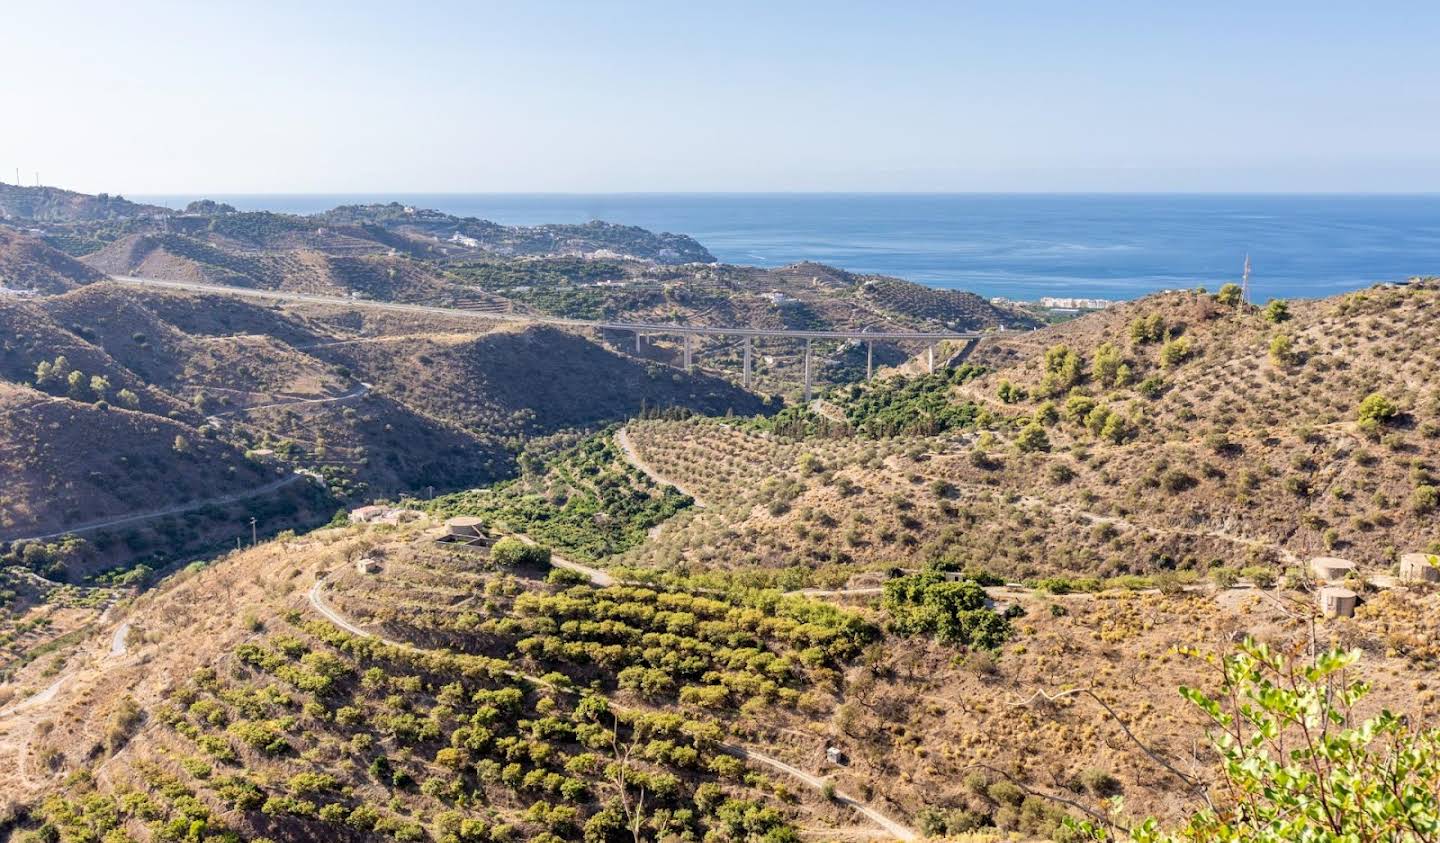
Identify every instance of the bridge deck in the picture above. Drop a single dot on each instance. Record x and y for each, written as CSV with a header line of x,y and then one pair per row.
x,y
637,327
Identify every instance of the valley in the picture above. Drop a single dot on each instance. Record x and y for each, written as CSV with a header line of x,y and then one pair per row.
x,y
384,524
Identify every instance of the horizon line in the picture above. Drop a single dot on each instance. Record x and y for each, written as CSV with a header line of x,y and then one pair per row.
x,y
1078,193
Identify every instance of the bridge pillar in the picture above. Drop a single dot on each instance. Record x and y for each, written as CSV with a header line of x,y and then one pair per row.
x,y
638,338
687,352
930,357
746,380
807,371
869,360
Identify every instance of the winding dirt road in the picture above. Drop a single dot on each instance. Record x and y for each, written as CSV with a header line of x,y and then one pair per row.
x,y
627,448
358,392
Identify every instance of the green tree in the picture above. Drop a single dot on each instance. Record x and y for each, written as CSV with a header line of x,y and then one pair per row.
x,y
1295,764
954,612
1229,295
1425,499
510,552
1375,411
1116,428
1147,329
1010,393
1107,364
1063,370
1282,350
1032,438
1078,407
1175,352
1277,311
76,384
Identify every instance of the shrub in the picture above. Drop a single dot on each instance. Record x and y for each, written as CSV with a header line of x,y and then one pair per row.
x,y
1375,411
1175,481
511,552
1147,329
1152,387
1224,577
1032,438
1229,295
1260,575
1425,499
1282,350
1277,311
1101,784
1107,364
1175,352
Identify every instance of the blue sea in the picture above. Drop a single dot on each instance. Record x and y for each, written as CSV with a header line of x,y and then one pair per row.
x,y
1020,246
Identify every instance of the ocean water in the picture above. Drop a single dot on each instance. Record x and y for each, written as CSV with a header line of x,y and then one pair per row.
x,y
1020,246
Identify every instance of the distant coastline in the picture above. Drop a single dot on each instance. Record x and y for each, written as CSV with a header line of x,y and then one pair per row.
x,y
1015,246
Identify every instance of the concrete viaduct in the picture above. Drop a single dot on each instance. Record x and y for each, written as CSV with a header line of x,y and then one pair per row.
x,y
641,330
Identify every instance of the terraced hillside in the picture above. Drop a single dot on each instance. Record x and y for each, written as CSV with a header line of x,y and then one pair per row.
x,y
1087,451
370,679
293,726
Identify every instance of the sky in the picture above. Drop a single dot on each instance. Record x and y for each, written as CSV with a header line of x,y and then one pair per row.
x,y
373,97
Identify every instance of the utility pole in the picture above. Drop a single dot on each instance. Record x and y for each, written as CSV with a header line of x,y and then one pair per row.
x,y
1245,282
254,536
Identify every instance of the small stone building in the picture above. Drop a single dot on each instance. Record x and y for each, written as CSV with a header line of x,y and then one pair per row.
x,y
1331,569
367,514
1337,602
1420,567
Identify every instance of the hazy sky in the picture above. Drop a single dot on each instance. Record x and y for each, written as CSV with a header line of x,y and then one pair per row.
x,y
186,97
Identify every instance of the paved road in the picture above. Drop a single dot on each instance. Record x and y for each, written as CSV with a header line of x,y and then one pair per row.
x,y
640,327
91,526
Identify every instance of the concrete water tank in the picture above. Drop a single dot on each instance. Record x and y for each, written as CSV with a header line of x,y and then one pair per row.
x,y
1337,602
1420,567
1329,568
464,527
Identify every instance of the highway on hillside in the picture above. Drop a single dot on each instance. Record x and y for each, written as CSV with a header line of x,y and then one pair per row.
x,y
638,328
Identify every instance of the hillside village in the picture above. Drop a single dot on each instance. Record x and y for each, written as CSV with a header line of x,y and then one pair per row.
x,y
278,570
